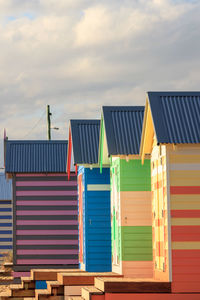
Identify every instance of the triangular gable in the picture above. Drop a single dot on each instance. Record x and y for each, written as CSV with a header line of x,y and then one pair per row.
x,y
83,143
103,157
172,118
148,133
120,134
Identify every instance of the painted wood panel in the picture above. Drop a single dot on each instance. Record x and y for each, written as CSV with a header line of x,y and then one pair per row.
x,y
135,208
46,220
185,222
131,217
134,176
6,220
138,269
96,219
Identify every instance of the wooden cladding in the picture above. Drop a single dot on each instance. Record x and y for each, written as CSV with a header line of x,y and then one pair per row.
x,y
46,219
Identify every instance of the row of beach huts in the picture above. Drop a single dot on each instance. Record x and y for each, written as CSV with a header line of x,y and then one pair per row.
x,y
122,195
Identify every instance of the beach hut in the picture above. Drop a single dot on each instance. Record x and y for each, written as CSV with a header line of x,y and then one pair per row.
x,y
94,196
45,212
6,243
171,135
121,128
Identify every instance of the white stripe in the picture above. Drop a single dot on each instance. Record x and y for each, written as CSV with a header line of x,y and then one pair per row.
x,y
5,228
5,213
5,205
182,167
98,187
5,221
6,244
5,250
6,235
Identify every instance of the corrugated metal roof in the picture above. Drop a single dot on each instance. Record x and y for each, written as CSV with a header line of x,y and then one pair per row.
x,y
85,141
36,156
176,116
123,127
5,188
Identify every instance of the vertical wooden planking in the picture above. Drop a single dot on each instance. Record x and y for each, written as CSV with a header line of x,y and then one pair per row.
x,y
160,213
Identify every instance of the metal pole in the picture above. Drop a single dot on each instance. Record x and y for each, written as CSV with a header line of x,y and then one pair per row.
x,y
48,123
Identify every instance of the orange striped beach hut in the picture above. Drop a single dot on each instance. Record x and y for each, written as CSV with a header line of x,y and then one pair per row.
x,y
171,135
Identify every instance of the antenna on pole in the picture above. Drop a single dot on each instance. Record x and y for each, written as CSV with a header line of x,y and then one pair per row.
x,y
48,123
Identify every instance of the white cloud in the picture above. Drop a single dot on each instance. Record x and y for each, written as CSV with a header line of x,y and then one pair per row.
x,y
78,55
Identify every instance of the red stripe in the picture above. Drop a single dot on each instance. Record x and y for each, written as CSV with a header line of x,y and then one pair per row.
x,y
179,190
185,213
186,277
186,287
185,233
184,255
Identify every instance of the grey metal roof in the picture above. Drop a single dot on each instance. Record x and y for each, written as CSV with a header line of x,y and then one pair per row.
x,y
123,127
36,156
5,188
85,141
176,116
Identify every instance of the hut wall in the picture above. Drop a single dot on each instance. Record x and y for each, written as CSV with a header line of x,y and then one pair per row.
x,y
184,177
45,220
96,228
6,238
131,218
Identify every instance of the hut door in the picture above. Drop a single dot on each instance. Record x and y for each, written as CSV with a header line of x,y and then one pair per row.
x,y
159,188
80,193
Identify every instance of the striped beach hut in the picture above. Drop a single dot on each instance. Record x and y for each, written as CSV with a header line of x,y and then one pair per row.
x,y
121,128
171,135
94,196
45,212
6,243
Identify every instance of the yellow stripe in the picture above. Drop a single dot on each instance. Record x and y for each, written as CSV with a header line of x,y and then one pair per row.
x,y
184,158
185,202
182,205
185,221
185,178
185,245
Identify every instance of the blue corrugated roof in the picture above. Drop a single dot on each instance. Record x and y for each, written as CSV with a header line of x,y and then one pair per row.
x,y
5,188
123,127
176,116
36,156
85,141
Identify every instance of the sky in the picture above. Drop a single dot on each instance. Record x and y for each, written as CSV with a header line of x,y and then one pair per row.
x,y
77,55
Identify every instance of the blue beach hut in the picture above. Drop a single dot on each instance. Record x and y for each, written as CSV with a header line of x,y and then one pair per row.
x,y
93,196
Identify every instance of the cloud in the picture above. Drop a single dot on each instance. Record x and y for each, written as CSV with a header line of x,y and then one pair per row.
x,y
79,55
